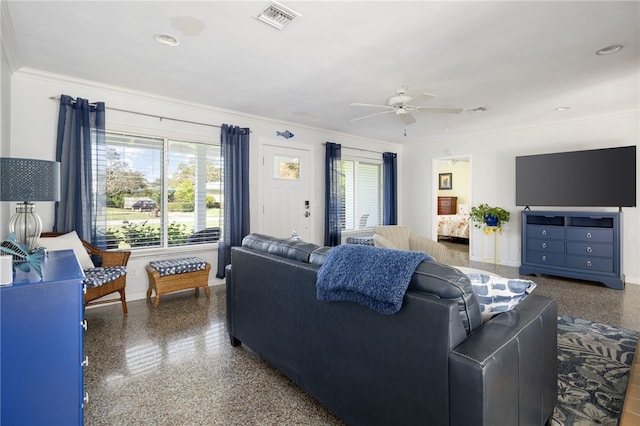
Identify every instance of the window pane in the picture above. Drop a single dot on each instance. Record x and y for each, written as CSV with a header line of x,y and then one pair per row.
x,y
134,171
362,207
286,167
194,190
348,206
368,200
153,204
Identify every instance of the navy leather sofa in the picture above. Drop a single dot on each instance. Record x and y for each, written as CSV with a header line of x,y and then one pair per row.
x,y
431,363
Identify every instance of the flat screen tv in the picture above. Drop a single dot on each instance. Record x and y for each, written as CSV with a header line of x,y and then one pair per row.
x,y
592,178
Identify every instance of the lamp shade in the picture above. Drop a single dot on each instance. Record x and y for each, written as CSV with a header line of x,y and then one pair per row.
x,y
25,179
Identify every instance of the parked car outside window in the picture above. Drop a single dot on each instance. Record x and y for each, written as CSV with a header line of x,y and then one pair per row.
x,y
144,206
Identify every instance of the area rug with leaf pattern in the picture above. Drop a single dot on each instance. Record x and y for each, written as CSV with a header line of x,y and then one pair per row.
x,y
594,362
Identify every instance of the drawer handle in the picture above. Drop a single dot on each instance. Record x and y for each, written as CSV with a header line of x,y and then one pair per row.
x,y
86,398
589,263
588,234
83,324
589,250
544,232
544,245
85,362
543,258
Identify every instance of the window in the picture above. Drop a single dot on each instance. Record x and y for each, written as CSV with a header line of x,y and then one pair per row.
x,y
286,168
161,191
362,206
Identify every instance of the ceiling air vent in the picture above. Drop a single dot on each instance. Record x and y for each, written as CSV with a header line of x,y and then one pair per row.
x,y
278,15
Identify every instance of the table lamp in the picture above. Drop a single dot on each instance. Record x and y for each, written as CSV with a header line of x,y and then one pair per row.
x,y
28,180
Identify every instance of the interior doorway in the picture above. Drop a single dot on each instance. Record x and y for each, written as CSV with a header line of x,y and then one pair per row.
x,y
452,200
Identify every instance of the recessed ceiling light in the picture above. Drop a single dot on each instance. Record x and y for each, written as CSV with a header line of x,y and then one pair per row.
x,y
167,39
610,49
565,108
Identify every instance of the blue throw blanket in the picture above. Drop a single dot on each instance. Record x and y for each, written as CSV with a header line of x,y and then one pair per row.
x,y
374,277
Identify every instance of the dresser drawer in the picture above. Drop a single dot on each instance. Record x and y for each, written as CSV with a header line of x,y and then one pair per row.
x,y
588,263
544,258
588,249
554,246
553,232
590,234
447,205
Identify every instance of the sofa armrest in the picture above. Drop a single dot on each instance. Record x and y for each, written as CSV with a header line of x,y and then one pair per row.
x,y
499,372
380,241
421,243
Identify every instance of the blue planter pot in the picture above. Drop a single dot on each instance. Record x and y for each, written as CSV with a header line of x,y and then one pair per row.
x,y
491,220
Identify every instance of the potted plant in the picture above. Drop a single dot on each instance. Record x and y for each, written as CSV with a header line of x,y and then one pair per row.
x,y
489,216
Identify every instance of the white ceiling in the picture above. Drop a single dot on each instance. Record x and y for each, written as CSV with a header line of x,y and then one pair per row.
x,y
519,59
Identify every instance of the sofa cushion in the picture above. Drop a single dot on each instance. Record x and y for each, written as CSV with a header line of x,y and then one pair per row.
x,y
446,282
498,294
319,255
283,247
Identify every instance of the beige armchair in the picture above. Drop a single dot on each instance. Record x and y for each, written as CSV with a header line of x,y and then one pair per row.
x,y
402,238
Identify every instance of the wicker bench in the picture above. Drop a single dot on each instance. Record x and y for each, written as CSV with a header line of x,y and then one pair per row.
x,y
166,276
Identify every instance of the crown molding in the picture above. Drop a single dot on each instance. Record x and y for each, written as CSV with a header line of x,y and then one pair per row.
x,y
8,38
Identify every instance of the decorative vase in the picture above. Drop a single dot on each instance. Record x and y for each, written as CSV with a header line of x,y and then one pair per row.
x,y
491,220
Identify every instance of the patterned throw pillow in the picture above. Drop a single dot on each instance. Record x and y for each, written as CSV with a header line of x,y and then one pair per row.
x,y
294,236
497,294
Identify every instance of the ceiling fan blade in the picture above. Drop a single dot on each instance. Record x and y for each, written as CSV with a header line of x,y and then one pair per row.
x,y
437,109
407,118
424,97
372,105
372,115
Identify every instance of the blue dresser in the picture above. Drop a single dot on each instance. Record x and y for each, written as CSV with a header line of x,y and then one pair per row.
x,y
42,345
582,245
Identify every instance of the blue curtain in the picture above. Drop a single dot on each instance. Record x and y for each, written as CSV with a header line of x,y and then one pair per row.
x,y
235,174
333,195
390,189
80,149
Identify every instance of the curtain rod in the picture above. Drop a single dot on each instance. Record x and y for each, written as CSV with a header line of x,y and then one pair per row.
x,y
57,98
359,149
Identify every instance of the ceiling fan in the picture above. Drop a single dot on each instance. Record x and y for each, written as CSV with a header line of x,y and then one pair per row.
x,y
402,105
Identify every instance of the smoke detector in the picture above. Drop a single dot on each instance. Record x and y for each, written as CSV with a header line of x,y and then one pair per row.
x,y
277,15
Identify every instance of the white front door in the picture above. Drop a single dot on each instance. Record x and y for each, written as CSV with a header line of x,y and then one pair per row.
x,y
286,182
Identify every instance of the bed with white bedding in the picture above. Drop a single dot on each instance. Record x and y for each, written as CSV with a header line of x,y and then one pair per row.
x,y
454,225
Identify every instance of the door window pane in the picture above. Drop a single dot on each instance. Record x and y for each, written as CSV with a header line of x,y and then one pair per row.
x,y
286,167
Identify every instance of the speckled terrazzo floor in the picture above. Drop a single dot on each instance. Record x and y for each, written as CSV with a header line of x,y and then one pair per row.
x,y
174,365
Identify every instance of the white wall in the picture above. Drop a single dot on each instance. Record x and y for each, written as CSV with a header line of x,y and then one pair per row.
x,y
493,177
33,135
5,116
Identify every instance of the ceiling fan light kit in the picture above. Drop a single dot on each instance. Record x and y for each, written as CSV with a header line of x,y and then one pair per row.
x,y
402,105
